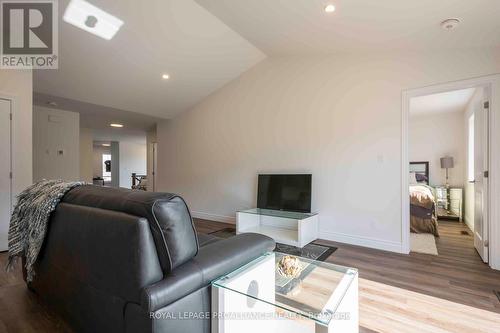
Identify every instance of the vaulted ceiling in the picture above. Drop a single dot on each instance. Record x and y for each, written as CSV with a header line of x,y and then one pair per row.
x,y
447,102
204,44
293,27
178,37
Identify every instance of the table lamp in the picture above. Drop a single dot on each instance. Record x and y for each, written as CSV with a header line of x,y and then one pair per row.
x,y
447,163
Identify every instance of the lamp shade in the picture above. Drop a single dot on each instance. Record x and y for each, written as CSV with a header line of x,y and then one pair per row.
x,y
447,162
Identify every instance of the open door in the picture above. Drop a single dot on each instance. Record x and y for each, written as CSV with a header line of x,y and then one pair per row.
x,y
5,172
481,163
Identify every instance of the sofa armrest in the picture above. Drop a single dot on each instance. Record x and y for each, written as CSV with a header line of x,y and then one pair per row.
x,y
212,261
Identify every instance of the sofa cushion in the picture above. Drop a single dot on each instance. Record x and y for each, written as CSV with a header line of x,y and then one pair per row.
x,y
168,216
213,261
205,239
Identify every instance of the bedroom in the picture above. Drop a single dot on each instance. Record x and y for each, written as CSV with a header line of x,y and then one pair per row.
x,y
448,152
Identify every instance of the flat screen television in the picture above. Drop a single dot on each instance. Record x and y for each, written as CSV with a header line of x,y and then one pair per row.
x,y
285,192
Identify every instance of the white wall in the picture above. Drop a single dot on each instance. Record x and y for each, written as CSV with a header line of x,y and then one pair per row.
x,y
115,163
53,131
435,135
18,84
132,159
86,155
476,103
338,117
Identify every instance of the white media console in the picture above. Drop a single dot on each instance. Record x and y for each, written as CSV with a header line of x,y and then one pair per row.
x,y
291,228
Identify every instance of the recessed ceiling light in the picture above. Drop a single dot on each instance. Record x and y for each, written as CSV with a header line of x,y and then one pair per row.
x,y
106,145
51,103
92,19
116,125
330,8
450,24
165,76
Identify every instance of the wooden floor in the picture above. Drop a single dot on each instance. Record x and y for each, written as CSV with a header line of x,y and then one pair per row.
x,y
452,292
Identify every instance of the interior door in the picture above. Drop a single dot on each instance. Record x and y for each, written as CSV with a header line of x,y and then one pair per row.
x,y
481,163
5,169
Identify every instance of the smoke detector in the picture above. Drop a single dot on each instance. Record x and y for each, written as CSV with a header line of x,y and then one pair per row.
x,y
450,24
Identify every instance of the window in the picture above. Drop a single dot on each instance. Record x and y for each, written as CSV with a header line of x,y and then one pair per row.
x,y
106,167
470,150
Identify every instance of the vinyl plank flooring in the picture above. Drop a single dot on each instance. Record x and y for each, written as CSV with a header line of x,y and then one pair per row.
x,y
452,292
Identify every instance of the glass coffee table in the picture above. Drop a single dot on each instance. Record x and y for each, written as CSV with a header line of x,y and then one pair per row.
x,y
282,293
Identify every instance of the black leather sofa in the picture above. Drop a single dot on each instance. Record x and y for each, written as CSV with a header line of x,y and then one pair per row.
x,y
117,260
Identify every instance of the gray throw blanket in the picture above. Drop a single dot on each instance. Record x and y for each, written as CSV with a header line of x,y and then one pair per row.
x,y
28,224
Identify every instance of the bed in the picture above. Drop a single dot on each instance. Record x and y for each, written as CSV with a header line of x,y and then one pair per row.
x,y
423,217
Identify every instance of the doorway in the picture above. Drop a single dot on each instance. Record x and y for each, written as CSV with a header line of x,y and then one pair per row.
x,y
5,171
459,175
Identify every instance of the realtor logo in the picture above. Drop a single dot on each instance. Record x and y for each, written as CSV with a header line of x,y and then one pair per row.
x,y
29,34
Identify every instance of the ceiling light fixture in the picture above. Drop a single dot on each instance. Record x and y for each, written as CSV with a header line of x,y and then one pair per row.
x,y
450,24
330,8
106,145
165,76
116,125
88,17
52,103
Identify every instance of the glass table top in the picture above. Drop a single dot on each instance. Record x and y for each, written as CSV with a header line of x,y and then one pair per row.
x,y
309,288
278,213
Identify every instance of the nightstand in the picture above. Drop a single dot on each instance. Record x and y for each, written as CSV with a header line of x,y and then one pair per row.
x,y
449,202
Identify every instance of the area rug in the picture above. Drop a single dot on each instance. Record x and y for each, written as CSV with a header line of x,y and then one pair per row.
x,y
423,243
310,251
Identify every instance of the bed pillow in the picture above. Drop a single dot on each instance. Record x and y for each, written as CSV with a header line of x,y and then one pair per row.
x,y
413,179
421,178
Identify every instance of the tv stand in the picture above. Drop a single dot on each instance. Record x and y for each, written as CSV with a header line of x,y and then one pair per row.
x,y
291,228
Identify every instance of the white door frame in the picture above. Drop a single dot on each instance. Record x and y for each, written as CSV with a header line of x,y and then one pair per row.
x,y
11,99
493,81
154,146
17,184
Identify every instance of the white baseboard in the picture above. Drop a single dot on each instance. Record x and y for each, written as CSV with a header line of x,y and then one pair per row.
x,y
214,217
361,241
326,235
467,222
